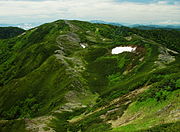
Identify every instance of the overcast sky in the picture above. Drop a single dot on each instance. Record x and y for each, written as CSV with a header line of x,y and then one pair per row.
x,y
123,11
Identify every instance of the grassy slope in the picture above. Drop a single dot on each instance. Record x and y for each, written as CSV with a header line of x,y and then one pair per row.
x,y
146,111
46,68
37,77
13,126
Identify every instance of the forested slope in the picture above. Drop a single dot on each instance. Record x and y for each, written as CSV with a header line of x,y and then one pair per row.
x,y
9,32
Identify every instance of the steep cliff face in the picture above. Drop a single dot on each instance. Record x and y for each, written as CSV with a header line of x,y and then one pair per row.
x,y
62,76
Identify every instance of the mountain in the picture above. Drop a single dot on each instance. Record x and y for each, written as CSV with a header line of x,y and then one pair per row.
x,y
140,26
9,32
24,26
64,76
104,22
150,27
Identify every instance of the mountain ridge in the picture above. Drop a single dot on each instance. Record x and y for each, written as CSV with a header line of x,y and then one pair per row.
x,y
50,82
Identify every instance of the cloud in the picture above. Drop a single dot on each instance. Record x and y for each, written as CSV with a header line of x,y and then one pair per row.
x,y
152,12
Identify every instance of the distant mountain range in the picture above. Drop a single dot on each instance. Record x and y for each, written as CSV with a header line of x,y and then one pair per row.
x,y
149,27
140,26
111,23
25,26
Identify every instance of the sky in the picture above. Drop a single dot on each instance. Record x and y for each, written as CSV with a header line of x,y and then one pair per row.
x,y
123,11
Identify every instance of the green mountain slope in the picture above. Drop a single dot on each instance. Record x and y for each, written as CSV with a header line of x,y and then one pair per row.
x,y
9,32
62,76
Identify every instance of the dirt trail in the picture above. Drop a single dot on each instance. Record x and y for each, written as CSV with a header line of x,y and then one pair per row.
x,y
72,27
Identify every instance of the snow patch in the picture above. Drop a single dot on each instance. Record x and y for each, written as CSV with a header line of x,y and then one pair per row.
x,y
82,45
119,50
